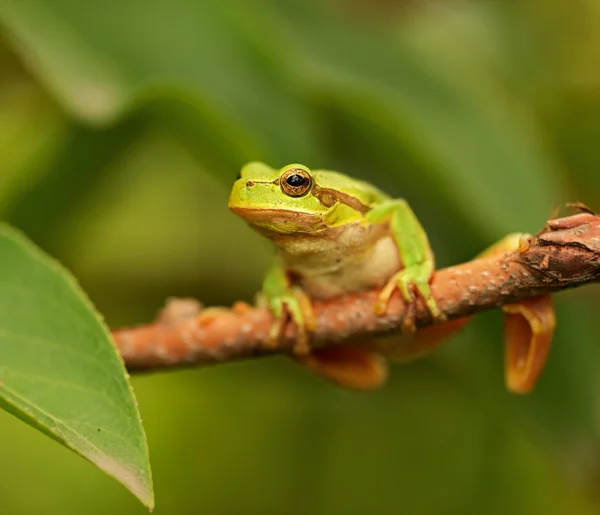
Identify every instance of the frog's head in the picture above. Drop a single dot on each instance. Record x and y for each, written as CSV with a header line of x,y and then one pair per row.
x,y
294,199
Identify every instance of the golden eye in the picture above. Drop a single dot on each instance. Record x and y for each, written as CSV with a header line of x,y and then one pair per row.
x,y
295,182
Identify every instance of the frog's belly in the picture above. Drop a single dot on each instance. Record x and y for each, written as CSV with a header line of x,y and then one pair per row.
x,y
364,271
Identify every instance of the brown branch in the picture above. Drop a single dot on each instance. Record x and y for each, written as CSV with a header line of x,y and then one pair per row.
x,y
565,254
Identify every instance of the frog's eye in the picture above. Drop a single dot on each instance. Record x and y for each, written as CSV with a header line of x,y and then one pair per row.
x,y
295,182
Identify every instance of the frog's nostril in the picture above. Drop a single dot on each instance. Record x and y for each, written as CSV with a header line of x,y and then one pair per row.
x,y
249,184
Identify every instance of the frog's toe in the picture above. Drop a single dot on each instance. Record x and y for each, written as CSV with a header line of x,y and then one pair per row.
x,y
408,323
385,295
436,313
408,282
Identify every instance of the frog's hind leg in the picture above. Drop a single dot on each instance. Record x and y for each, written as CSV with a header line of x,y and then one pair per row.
x,y
351,366
408,347
364,366
528,328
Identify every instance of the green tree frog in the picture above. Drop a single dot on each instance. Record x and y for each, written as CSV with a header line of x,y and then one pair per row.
x,y
336,235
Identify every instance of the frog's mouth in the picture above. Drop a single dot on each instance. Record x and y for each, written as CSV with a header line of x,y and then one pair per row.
x,y
281,221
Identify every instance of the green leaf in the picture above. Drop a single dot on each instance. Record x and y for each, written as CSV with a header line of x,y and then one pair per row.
x,y
59,370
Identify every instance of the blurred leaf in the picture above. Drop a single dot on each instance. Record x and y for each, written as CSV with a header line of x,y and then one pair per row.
x,y
147,235
68,180
100,58
31,128
567,395
59,370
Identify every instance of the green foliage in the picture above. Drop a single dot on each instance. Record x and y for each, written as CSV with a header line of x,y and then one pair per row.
x,y
122,125
60,371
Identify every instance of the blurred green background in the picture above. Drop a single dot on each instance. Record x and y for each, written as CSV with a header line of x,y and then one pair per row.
x,y
122,126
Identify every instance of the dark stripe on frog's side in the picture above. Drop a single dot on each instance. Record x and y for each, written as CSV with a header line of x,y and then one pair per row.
x,y
328,197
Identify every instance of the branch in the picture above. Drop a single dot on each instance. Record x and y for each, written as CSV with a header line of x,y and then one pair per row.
x,y
565,254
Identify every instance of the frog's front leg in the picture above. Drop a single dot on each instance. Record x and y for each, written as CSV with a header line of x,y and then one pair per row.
x,y
416,256
351,366
284,299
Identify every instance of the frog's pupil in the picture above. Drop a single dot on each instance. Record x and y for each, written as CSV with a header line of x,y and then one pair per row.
x,y
296,180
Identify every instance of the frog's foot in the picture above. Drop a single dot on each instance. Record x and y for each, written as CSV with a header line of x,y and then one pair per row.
x,y
296,305
355,367
529,327
408,281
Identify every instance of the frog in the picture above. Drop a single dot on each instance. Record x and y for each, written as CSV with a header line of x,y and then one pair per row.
x,y
335,235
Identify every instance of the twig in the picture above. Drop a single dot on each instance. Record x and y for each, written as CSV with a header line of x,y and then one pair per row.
x,y
565,254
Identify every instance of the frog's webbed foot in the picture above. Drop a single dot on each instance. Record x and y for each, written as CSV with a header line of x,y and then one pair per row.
x,y
294,304
409,282
528,327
